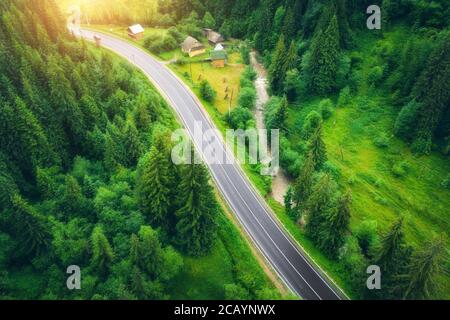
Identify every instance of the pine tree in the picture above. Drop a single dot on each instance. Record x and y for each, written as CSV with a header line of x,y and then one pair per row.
x,y
291,58
132,144
336,226
303,183
318,207
30,227
277,68
426,265
391,244
154,185
281,114
196,227
317,148
102,252
323,65
431,90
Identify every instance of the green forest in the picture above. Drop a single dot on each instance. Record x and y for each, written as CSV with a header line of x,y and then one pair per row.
x,y
86,176
86,179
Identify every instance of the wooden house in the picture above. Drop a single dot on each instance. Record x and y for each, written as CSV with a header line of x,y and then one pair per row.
x,y
192,47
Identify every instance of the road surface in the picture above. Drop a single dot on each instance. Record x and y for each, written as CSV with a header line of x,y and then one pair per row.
x,y
286,258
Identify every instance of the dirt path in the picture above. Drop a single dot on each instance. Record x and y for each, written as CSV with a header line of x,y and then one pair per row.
x,y
280,182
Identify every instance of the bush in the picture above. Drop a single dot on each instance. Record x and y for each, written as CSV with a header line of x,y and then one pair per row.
x,y
375,75
367,236
245,54
326,108
292,84
207,92
400,169
176,34
332,169
446,182
246,83
312,121
406,122
344,97
382,141
240,118
247,98
249,73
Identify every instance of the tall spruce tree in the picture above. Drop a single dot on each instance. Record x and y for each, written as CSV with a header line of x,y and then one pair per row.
x,y
303,183
154,185
317,148
277,70
318,207
196,226
30,227
102,252
426,264
433,94
323,64
336,226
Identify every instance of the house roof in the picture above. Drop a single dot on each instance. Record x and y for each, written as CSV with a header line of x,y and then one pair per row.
x,y
214,37
218,55
218,47
190,43
135,29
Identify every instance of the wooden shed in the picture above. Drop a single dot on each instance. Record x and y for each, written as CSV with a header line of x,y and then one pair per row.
x,y
213,36
192,47
136,31
218,58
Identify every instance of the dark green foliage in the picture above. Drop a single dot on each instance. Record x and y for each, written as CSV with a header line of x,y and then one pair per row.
x,y
317,148
426,264
304,182
322,66
207,92
196,226
154,183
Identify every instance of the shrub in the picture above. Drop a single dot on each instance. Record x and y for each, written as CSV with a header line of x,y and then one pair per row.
x,y
245,54
246,83
240,118
382,141
176,34
375,75
446,182
249,73
332,169
400,169
405,124
366,233
247,98
344,97
292,84
312,121
207,92
326,108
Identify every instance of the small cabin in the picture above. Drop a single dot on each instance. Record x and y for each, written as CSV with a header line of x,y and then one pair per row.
x,y
218,58
213,37
136,32
192,47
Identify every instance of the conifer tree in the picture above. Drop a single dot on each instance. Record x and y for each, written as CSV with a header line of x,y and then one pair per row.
x,y
391,244
317,148
277,68
431,90
102,252
426,264
336,226
196,226
279,121
323,64
154,185
318,207
30,227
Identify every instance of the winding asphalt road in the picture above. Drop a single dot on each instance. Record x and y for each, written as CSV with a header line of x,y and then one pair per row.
x,y
286,258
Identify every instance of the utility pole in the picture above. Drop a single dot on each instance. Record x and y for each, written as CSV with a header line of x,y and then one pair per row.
x,y
231,99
